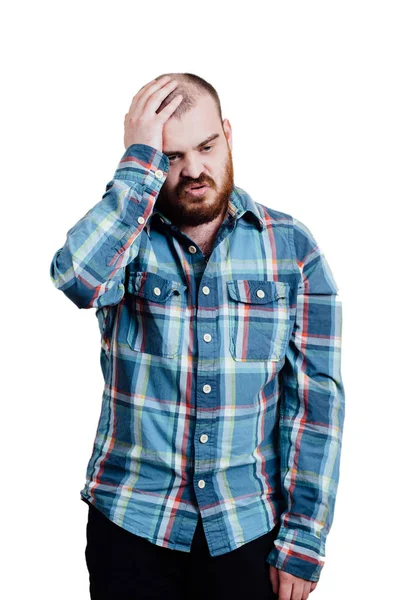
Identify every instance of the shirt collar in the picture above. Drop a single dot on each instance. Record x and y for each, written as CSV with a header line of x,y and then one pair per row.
x,y
240,205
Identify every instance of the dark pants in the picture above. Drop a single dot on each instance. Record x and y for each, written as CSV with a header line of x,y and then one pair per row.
x,y
125,566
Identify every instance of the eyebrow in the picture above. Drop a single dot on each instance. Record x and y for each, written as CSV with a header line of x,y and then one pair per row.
x,y
211,137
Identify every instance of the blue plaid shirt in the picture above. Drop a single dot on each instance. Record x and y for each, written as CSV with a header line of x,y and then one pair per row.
x,y
223,392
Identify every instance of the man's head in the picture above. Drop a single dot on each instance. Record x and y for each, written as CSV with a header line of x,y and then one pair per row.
x,y
198,143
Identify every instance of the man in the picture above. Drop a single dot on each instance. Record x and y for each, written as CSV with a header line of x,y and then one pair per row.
x,y
216,460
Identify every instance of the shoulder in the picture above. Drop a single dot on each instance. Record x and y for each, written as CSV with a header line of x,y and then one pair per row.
x,y
272,215
299,236
279,217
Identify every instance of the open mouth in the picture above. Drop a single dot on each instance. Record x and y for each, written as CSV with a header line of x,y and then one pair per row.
x,y
197,190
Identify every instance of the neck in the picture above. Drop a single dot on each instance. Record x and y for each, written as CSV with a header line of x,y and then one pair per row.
x,y
204,235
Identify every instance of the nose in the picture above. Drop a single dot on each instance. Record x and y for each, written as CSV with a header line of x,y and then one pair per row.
x,y
192,168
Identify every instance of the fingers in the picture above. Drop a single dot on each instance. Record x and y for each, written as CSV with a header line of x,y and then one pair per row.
x,y
274,578
140,99
167,111
155,99
285,589
306,590
138,95
143,88
147,84
142,123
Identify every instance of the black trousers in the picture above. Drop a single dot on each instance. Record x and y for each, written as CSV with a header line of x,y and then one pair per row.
x,y
125,566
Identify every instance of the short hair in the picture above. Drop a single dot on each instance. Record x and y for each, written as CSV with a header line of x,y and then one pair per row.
x,y
191,87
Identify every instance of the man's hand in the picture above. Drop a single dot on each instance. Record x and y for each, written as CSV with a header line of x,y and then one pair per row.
x,y
288,586
142,124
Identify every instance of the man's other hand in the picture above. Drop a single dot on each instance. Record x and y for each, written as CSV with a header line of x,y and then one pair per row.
x,y
288,586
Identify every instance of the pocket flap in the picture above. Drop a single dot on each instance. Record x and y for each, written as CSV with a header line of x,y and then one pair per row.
x,y
153,287
256,291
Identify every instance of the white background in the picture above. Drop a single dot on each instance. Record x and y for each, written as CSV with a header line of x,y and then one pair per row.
x,y
311,90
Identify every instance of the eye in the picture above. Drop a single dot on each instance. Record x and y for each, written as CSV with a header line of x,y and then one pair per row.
x,y
172,157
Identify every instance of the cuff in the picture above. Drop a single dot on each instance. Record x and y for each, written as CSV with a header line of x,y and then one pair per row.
x,y
143,164
299,553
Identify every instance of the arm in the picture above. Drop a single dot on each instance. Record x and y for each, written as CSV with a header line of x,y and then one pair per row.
x,y
311,415
90,267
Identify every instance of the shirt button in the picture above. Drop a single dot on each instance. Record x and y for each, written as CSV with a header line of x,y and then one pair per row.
x,y
159,174
206,290
192,249
207,388
203,438
161,219
260,293
207,337
201,483
140,220
157,291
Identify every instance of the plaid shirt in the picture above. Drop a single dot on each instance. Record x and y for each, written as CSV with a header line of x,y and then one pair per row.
x,y
223,392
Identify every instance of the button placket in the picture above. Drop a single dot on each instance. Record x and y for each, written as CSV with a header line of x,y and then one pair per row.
x,y
206,396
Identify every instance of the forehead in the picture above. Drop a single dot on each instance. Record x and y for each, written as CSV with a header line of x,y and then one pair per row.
x,y
193,127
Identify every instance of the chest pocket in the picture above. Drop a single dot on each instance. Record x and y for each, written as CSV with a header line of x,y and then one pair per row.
x,y
157,307
259,319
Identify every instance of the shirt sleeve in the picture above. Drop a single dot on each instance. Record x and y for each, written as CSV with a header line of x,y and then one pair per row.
x,y
90,267
312,414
